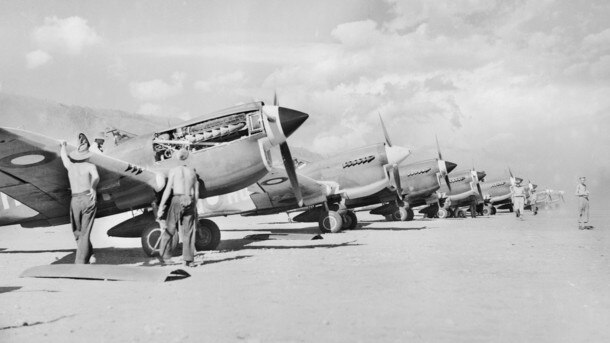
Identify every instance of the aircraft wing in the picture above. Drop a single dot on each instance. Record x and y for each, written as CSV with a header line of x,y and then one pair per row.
x,y
31,172
274,190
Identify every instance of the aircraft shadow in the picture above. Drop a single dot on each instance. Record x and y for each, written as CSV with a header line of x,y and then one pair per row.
x,y
365,225
307,230
34,251
242,244
110,256
9,289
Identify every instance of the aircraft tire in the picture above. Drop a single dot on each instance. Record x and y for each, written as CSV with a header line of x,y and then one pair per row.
x,y
207,236
487,210
400,215
330,222
350,220
389,218
150,240
460,214
442,213
410,214
493,210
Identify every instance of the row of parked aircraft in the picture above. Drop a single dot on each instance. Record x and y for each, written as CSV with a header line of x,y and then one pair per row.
x,y
231,151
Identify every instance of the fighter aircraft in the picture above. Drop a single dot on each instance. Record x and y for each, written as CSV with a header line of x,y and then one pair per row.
x,y
465,191
325,185
418,186
229,150
497,194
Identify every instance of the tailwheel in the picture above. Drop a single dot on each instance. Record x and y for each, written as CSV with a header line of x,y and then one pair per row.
x,y
330,222
349,220
151,239
207,236
442,213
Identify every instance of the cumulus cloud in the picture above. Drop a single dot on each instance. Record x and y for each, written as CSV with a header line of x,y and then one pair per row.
x,y
37,58
157,89
235,79
69,35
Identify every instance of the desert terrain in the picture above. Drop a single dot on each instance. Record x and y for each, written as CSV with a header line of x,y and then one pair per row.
x,y
489,279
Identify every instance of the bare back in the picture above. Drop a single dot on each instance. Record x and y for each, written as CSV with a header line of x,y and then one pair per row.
x,y
81,176
183,180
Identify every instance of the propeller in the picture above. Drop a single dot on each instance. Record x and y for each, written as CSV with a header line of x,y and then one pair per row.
x,y
385,132
290,170
513,180
446,169
395,179
479,182
289,164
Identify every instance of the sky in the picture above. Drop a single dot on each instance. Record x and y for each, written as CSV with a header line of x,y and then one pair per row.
x,y
519,84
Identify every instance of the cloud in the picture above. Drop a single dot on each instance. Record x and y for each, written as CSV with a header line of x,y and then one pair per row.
x,y
37,58
69,35
236,79
155,90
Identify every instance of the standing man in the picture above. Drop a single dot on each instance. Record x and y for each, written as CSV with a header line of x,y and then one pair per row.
x,y
583,204
182,212
83,179
518,197
533,198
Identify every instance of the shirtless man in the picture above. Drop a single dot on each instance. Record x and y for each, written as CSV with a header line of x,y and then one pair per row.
x,y
83,179
182,212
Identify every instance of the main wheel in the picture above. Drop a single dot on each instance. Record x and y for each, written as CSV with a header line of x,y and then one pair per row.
x,y
207,236
400,214
493,210
460,214
151,239
442,213
349,220
330,222
487,210
410,214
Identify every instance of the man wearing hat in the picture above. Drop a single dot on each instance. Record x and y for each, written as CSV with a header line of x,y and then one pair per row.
x,y
182,213
83,179
518,197
583,204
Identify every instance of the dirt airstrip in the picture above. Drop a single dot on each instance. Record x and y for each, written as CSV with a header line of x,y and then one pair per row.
x,y
489,279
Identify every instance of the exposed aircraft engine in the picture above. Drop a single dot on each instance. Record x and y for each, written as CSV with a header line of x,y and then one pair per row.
x,y
205,134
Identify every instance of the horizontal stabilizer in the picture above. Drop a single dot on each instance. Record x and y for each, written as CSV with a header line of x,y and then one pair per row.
x,y
105,272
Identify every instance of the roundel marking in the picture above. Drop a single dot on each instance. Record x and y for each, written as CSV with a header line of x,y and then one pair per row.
x,y
274,181
27,159
212,200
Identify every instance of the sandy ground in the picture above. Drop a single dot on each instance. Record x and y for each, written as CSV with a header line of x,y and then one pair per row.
x,y
490,279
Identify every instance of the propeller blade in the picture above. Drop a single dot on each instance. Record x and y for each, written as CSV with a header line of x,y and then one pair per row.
x,y
385,132
395,174
480,191
290,170
275,101
447,182
438,148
